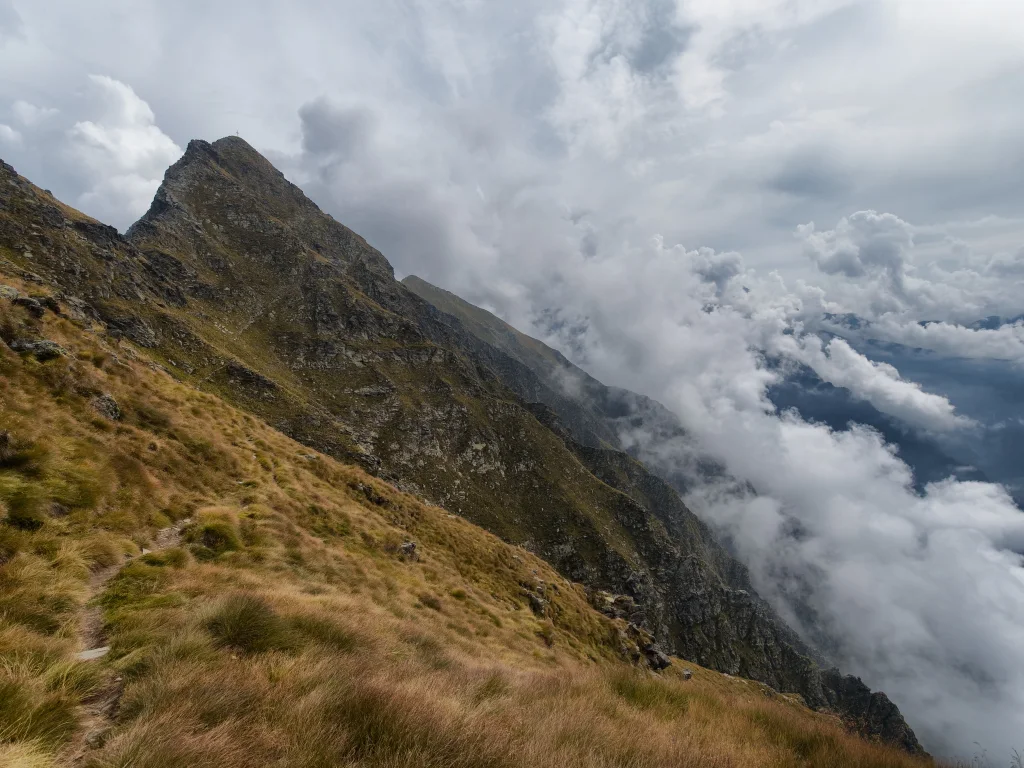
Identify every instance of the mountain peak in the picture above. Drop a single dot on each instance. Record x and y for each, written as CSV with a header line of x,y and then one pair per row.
x,y
234,155
225,195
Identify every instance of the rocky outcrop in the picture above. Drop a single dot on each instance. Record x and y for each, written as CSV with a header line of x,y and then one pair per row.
x,y
869,712
43,350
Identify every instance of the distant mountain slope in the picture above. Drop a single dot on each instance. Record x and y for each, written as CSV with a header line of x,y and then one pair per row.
x,y
240,284
594,414
816,400
986,390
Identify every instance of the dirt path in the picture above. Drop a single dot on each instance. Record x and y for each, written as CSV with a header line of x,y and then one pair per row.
x,y
99,708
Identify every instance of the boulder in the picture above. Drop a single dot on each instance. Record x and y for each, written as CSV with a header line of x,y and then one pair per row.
x,y
32,306
537,604
105,405
656,658
47,302
42,350
408,550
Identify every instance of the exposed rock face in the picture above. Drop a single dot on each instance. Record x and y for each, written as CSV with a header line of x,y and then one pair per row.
x,y
236,281
593,414
869,712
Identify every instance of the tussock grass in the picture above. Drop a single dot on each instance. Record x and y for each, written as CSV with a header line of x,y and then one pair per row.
x,y
24,755
288,628
248,623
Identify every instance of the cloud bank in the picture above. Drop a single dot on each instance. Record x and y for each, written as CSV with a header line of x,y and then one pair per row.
x,y
921,594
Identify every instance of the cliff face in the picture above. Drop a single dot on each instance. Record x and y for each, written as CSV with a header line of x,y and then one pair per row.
x,y
239,284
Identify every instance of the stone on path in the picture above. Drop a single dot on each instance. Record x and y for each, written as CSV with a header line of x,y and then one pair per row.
x,y
94,653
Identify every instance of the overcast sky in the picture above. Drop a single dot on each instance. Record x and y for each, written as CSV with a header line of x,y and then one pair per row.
x,y
601,173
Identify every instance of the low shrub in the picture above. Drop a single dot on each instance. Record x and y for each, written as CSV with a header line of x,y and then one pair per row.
x,y
26,456
133,584
175,557
430,601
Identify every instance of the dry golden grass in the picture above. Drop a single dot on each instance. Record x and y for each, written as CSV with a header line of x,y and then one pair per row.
x,y
288,628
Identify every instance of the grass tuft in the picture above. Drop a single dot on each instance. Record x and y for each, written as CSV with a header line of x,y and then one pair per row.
x,y
248,622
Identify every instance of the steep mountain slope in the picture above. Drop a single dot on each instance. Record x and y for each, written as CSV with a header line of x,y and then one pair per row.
x,y
619,414
593,413
241,285
256,603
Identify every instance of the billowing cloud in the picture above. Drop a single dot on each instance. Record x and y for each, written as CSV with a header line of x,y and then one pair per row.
x,y
873,557
109,162
8,135
122,153
879,383
864,244
913,298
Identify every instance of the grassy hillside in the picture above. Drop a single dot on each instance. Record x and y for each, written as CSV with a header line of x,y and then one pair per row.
x,y
260,607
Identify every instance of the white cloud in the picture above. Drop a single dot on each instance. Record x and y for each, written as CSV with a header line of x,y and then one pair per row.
x,y
122,153
915,301
879,383
921,594
105,153
8,135
1003,343
30,115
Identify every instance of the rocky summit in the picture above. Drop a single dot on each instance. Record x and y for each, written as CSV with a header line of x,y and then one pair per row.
x,y
240,287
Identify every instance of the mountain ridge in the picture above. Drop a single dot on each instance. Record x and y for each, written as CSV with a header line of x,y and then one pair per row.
x,y
308,330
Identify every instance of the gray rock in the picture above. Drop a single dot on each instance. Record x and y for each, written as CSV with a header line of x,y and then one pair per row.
x,y
537,604
33,307
687,674
105,405
871,713
42,350
9,293
93,653
408,550
47,302
657,658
